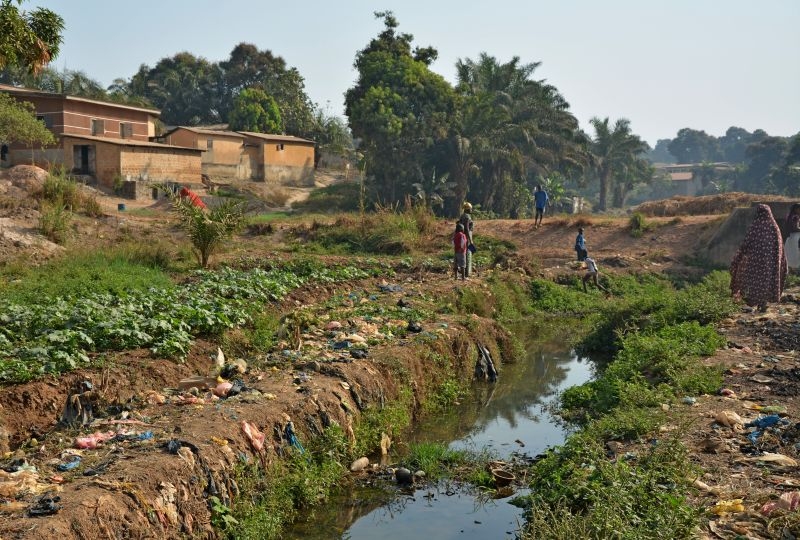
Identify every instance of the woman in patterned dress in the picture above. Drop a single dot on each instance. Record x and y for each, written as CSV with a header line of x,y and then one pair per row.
x,y
758,270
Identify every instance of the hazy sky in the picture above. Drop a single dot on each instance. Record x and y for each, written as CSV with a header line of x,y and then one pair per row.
x,y
705,64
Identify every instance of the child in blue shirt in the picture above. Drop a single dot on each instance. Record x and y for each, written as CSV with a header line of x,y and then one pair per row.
x,y
540,201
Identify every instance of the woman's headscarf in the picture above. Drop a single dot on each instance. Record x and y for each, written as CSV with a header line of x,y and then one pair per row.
x,y
758,270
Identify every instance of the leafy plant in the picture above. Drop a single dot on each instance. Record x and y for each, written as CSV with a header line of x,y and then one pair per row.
x,y
208,229
54,220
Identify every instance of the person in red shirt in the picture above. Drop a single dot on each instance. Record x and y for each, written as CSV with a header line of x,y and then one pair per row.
x,y
460,248
193,197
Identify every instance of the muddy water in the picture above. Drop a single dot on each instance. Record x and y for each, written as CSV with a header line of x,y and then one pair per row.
x,y
509,418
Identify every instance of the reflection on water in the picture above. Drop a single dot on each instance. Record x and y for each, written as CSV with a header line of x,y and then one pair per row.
x,y
509,416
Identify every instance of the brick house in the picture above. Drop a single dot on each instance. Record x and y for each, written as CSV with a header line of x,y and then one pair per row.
x,y
245,155
280,159
107,141
223,157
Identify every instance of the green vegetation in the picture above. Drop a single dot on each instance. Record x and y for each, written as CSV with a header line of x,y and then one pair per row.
x,y
119,270
392,418
30,40
208,229
436,459
577,492
54,334
271,498
637,225
255,110
658,335
385,232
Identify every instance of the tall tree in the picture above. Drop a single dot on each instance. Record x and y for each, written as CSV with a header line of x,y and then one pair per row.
x,y
693,146
249,67
516,127
186,88
255,110
616,152
28,39
399,108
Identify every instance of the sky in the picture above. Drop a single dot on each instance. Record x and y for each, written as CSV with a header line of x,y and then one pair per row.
x,y
662,64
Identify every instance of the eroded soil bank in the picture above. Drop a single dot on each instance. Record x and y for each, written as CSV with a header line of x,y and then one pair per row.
x,y
136,485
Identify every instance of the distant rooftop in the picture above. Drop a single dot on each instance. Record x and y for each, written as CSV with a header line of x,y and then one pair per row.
x,y
31,92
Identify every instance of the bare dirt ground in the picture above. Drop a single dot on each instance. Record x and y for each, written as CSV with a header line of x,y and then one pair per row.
x,y
139,487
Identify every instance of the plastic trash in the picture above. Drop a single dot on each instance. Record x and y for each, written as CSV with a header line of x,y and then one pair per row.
x,y
45,505
727,506
359,465
236,388
71,463
688,400
358,354
173,445
414,326
253,435
763,422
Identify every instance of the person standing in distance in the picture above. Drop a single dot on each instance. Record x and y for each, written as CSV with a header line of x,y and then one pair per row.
x,y
466,221
580,245
540,200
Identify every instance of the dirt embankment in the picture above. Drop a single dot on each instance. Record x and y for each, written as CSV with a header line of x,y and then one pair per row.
x,y
168,452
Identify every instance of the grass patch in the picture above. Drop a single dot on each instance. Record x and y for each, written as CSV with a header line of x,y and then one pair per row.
x,y
270,498
579,493
435,458
118,270
392,418
335,198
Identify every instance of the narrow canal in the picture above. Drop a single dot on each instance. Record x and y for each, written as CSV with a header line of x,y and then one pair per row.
x,y
509,418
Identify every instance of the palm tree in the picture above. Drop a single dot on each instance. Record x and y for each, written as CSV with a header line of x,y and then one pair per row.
x,y
614,153
511,125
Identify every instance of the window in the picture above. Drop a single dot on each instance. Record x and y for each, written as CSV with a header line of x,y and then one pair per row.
x,y
279,146
210,144
98,127
125,130
46,120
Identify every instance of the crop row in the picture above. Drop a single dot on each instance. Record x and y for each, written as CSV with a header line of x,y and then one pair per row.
x,y
56,335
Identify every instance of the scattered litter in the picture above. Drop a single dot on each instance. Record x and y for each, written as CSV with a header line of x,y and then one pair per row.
x,y
761,379
291,437
253,434
173,445
219,441
333,325
45,505
688,400
729,419
94,440
414,326
201,383
763,422
787,501
728,393
359,354
78,408
390,288
724,507
72,462
359,465
222,389
779,459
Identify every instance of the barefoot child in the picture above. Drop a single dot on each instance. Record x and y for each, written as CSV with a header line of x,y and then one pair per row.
x,y
460,248
591,274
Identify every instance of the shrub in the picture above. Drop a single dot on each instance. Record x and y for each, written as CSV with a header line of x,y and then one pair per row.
x,y
54,220
207,230
637,224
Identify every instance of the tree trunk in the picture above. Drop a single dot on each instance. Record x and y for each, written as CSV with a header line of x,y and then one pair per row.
x,y
601,205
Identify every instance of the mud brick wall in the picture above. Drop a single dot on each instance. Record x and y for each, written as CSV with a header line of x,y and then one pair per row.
x,y
156,165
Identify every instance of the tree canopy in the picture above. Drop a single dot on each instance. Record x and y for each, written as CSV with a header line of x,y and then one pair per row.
x,y
254,110
28,39
18,123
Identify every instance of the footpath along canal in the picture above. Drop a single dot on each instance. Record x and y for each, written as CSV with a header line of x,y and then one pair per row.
x,y
508,420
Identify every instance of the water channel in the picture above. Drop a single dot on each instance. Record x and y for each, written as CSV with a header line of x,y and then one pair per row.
x,y
510,418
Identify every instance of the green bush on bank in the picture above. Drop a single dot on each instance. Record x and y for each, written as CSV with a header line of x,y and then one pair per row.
x,y
581,490
578,492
